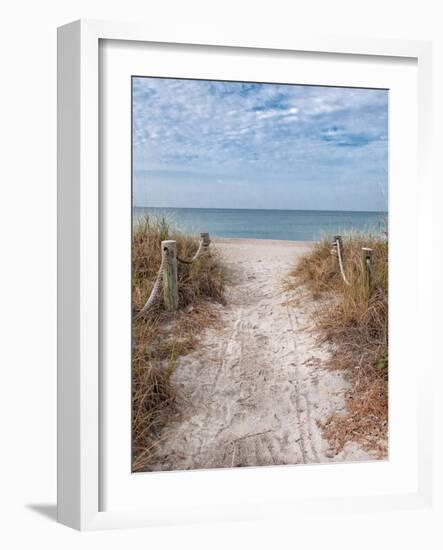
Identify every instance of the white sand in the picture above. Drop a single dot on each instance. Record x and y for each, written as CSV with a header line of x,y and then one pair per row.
x,y
256,387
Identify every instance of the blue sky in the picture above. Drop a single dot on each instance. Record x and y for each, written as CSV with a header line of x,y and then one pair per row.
x,y
208,144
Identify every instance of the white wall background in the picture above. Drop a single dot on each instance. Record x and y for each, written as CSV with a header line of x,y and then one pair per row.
x,y
28,267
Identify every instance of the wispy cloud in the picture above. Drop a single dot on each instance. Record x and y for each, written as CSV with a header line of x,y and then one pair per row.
x,y
289,146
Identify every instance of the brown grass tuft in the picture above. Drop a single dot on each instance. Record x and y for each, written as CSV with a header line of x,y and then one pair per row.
x,y
354,319
160,337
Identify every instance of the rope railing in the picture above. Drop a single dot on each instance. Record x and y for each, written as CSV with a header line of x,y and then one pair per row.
x,y
196,255
155,289
340,260
167,274
337,250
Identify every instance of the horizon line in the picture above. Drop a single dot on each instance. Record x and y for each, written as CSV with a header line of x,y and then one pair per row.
x,y
265,209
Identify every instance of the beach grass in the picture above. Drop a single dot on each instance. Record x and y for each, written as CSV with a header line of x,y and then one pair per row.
x,y
160,337
354,320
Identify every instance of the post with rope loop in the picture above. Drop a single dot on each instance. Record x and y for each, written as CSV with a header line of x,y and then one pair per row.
x,y
367,267
170,289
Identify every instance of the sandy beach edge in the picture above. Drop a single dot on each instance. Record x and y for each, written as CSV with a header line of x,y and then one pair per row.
x,y
261,242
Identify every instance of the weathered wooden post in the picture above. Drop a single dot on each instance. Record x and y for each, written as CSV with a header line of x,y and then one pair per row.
x,y
170,290
206,240
367,267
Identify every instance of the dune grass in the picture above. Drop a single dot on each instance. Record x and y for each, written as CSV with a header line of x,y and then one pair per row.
x,y
354,320
160,337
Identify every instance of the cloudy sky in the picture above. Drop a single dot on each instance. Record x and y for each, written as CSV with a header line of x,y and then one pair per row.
x,y
215,144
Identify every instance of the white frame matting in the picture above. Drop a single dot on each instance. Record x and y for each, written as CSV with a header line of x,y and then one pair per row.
x,y
80,257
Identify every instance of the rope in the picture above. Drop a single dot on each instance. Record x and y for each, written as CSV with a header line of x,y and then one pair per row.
x,y
154,292
196,255
340,261
155,289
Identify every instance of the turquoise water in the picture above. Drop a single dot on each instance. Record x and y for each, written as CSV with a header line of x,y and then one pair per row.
x,y
292,225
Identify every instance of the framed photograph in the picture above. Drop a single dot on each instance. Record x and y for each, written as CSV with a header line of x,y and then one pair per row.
x,y
239,230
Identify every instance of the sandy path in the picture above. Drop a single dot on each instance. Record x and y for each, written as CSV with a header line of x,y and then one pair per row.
x,y
256,387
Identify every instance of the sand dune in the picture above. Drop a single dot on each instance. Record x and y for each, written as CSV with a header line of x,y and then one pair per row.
x,y
257,386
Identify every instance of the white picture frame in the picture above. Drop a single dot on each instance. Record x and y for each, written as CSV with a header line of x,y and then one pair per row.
x,y
79,259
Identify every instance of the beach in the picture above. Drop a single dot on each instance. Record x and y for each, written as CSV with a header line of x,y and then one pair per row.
x,y
257,387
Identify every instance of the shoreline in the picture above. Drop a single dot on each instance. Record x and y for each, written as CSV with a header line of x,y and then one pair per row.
x,y
261,242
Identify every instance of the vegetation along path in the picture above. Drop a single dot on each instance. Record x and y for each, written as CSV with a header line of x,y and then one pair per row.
x,y
255,389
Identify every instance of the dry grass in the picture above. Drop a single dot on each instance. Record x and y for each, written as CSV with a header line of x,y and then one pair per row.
x,y
354,319
160,337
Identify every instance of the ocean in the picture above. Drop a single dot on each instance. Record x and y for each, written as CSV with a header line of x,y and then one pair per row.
x,y
292,225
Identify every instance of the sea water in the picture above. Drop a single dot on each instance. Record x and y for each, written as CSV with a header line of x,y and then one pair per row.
x,y
293,225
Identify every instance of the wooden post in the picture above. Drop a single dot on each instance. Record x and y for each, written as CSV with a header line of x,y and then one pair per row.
x,y
367,267
206,240
170,290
